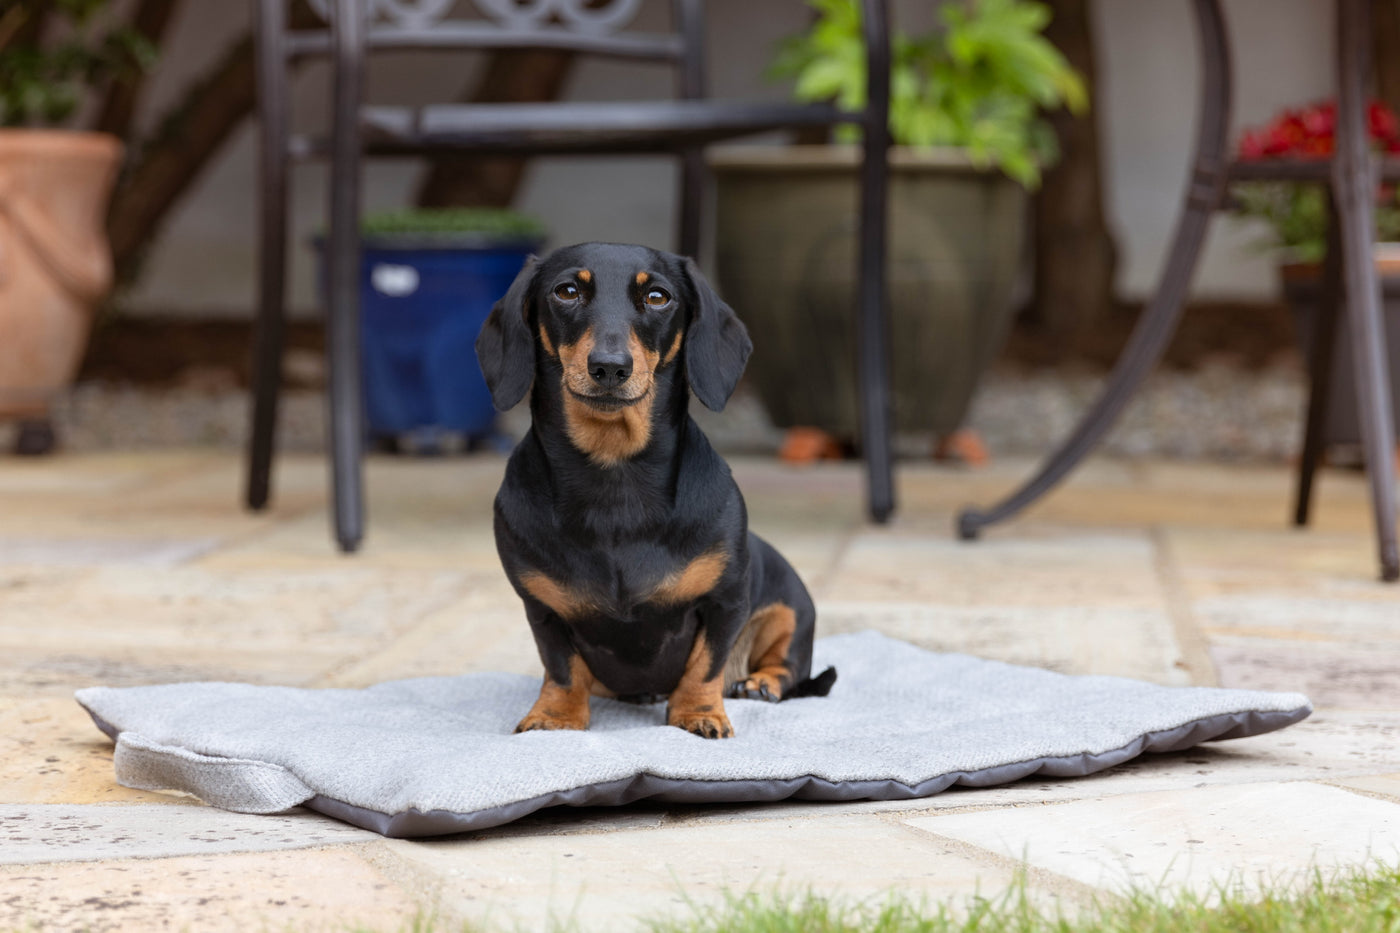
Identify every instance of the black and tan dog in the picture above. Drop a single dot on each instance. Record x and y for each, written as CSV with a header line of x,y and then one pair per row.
x,y
617,523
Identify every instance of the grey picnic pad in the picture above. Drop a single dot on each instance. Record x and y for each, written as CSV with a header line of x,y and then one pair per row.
x,y
437,755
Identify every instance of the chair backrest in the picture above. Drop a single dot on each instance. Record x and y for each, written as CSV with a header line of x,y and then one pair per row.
x,y
350,30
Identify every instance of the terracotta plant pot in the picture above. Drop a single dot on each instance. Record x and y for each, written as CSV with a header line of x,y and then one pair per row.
x,y
1302,289
55,264
786,226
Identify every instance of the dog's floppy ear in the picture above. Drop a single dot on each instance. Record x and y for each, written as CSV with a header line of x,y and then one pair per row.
x,y
716,345
505,348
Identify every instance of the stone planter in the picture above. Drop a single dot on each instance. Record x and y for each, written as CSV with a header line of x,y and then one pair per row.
x,y
1302,289
55,264
787,219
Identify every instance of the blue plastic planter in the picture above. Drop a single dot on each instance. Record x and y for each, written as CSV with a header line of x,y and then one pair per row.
x,y
423,301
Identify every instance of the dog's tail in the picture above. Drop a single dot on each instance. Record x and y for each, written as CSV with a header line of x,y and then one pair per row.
x,y
818,686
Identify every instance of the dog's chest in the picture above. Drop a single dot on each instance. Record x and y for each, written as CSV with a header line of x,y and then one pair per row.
x,y
630,581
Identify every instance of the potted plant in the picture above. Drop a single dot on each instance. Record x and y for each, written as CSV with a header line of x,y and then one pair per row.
x,y
428,279
1296,216
55,266
965,117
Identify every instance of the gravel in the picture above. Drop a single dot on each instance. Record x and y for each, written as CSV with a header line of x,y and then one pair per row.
x,y
1217,412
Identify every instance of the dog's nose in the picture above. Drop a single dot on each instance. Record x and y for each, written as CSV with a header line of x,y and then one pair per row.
x,y
610,370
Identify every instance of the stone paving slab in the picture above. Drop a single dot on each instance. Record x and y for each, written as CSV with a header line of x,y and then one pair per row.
x,y
50,752
484,630
1378,785
608,881
1333,674
1069,569
61,552
187,623
310,890
34,833
1071,640
1247,836
131,568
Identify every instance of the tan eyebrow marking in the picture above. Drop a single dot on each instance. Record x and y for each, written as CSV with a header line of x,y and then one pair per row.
x,y
643,278
585,276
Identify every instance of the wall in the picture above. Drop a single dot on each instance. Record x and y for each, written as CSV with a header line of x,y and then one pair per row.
x,y
203,263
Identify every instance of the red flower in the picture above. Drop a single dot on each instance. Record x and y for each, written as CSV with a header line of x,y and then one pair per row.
x,y
1310,133
1384,126
1251,146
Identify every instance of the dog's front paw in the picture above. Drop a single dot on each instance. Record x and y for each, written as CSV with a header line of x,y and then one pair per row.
x,y
705,722
538,720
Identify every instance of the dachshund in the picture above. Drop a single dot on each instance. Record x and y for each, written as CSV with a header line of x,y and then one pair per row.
x,y
617,523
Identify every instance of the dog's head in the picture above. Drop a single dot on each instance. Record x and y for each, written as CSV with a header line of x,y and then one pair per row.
x,y
608,321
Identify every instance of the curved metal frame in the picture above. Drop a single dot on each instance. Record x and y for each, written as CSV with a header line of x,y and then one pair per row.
x,y
1353,175
1204,192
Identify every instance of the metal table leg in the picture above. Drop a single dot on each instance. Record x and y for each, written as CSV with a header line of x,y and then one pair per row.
x,y
1324,341
1153,332
1354,179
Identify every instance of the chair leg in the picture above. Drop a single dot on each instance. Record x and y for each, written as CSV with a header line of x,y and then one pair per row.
x,y
269,329
344,399
873,330
1154,330
1354,183
269,326
1324,341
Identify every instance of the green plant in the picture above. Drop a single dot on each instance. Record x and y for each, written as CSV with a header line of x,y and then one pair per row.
x,y
980,81
52,51
483,221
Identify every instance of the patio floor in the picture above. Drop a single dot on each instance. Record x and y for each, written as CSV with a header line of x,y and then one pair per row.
x,y
132,568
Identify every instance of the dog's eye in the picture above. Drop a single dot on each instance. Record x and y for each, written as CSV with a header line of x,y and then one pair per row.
x,y
566,291
657,298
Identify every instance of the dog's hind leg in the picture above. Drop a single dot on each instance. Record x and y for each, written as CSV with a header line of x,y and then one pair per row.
x,y
773,658
767,669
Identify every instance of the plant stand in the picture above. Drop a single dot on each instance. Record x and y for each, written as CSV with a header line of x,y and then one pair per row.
x,y
1305,291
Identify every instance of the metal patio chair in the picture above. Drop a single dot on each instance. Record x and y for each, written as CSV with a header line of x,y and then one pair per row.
x,y
680,126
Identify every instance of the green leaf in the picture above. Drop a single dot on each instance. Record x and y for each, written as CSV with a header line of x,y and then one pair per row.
x,y
980,81
44,81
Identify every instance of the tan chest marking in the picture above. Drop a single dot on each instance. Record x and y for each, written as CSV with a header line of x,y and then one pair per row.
x,y
692,581
567,602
